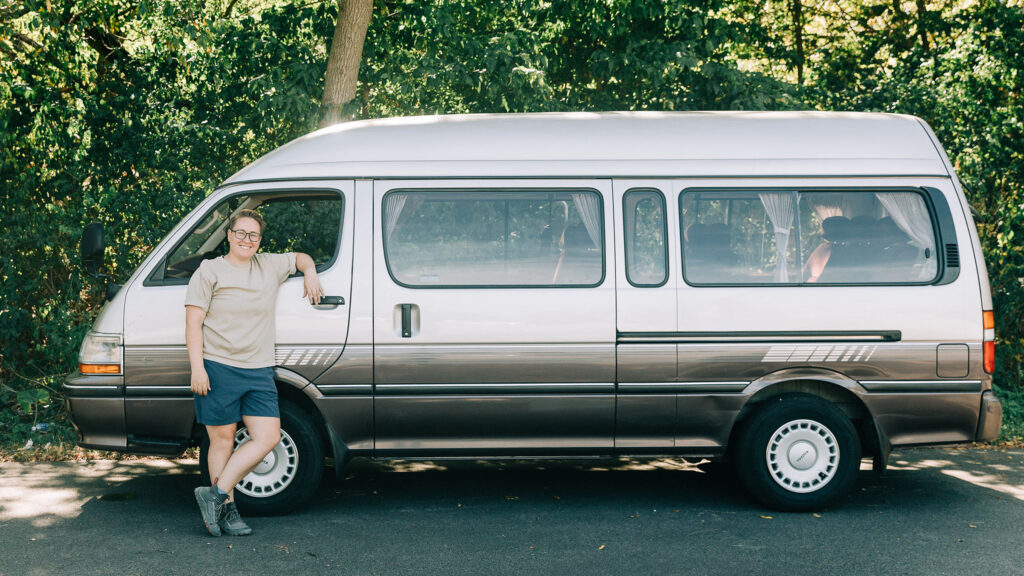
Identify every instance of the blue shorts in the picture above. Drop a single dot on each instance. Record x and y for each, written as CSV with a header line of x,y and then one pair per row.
x,y
235,392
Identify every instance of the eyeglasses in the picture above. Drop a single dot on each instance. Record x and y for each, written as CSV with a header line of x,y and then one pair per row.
x,y
242,235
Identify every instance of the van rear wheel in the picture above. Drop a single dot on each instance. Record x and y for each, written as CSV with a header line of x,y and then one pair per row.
x,y
287,477
798,453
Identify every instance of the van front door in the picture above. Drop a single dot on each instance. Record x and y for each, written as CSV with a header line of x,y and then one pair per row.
x,y
316,220
494,317
646,274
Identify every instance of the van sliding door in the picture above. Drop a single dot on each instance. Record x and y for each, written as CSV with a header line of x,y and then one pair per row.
x,y
494,317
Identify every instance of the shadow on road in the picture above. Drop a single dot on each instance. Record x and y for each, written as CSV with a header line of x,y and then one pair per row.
x,y
934,508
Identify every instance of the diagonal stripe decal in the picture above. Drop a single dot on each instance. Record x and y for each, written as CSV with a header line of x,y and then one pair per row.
x,y
312,356
822,353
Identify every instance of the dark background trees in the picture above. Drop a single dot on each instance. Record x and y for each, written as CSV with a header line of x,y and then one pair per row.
x,y
128,112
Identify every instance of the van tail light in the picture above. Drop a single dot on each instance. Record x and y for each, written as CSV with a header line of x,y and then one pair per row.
x,y
988,321
100,354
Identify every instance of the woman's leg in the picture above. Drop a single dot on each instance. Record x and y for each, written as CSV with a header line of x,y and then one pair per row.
x,y
264,434
222,444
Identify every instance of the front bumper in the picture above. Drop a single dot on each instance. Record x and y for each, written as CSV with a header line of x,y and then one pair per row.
x,y
96,406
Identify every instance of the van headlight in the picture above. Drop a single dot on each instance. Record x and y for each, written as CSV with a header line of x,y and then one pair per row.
x,y
100,354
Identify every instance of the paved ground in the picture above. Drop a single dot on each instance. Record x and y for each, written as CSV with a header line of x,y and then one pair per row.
x,y
935,512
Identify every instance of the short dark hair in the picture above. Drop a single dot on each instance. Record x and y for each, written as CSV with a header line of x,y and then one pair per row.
x,y
247,214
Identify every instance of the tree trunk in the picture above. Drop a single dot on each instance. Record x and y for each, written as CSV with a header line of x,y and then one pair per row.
x,y
343,61
798,35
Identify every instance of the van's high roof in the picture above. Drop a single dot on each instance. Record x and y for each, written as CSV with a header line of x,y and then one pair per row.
x,y
610,144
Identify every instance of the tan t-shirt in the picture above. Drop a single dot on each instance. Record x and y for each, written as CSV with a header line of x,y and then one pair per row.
x,y
240,304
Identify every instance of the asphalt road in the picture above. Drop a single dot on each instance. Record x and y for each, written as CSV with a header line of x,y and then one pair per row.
x,y
937,511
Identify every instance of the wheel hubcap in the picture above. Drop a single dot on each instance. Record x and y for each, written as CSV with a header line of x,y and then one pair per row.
x,y
802,456
274,473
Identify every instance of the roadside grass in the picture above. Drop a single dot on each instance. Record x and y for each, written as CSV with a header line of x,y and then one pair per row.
x,y
59,446
1012,433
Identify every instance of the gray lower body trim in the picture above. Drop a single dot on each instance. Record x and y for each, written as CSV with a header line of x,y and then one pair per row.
x,y
682,387
158,391
922,386
345,389
782,336
492,389
98,391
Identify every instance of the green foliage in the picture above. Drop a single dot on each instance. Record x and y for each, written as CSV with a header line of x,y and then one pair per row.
x,y
652,55
534,56
128,112
30,400
1013,413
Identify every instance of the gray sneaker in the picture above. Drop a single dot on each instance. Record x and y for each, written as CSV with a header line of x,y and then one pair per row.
x,y
231,522
211,505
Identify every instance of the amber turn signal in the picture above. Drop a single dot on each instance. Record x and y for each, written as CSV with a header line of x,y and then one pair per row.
x,y
99,368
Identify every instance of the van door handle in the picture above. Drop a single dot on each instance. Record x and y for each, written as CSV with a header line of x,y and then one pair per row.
x,y
406,320
329,302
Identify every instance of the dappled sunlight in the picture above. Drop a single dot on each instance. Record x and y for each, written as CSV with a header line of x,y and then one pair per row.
x,y
988,481
413,466
44,493
920,465
659,464
535,465
992,476
39,503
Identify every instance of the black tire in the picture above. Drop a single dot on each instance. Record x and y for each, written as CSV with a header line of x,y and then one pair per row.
x,y
798,453
289,476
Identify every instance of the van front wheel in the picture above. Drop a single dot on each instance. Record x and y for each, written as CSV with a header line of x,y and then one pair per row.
x,y
798,453
287,477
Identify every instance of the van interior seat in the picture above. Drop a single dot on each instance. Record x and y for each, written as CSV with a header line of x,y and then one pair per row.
x,y
708,250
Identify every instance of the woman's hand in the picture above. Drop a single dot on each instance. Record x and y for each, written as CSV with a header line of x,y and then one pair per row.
x,y
312,288
200,382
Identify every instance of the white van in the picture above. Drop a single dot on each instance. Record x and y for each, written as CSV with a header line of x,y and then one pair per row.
x,y
788,291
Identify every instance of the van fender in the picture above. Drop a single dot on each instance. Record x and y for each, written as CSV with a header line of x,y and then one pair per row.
x,y
836,387
808,374
298,389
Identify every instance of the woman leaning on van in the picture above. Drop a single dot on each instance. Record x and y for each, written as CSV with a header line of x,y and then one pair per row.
x,y
229,332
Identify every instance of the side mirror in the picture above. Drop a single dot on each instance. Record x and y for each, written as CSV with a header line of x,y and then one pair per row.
x,y
92,257
92,247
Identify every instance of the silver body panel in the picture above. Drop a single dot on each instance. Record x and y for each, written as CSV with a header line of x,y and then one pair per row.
x,y
609,369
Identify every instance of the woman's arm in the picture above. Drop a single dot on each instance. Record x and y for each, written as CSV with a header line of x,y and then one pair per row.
x,y
194,318
311,282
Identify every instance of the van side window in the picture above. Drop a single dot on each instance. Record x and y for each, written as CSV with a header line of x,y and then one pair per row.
x,y
494,238
308,223
807,237
645,233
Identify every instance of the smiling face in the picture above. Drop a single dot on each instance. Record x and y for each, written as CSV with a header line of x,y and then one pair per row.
x,y
242,250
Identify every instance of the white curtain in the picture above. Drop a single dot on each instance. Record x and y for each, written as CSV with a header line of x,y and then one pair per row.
x,y
908,211
589,208
397,211
779,206
393,205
